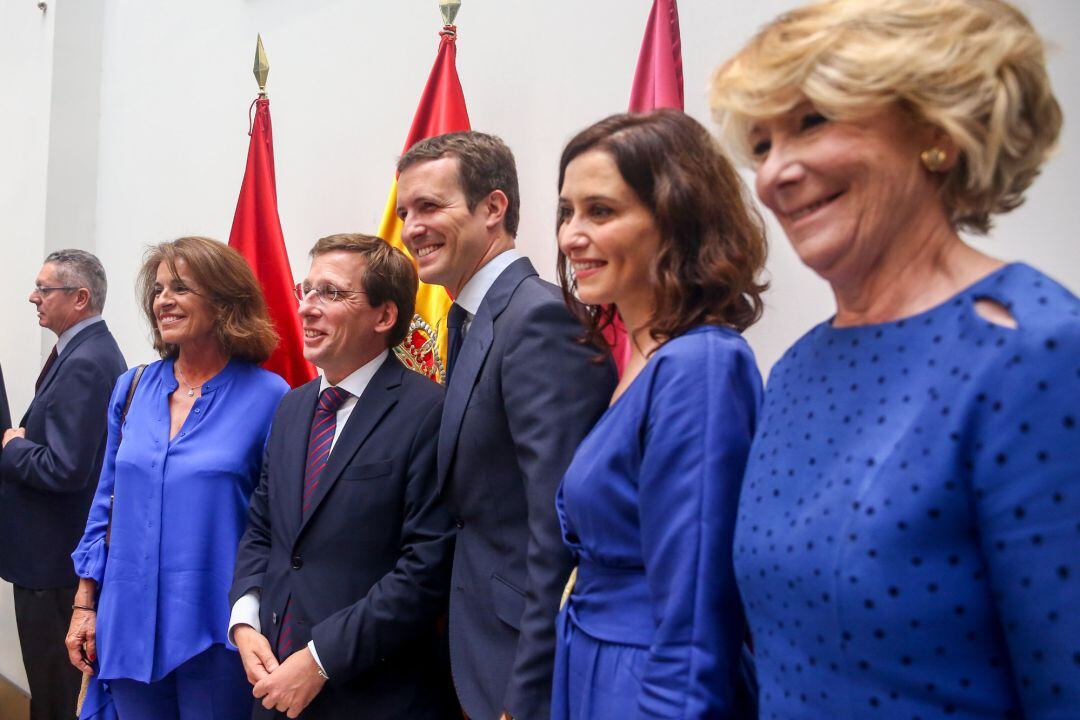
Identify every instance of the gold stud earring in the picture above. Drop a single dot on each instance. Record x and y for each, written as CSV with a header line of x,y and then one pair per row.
x,y
934,159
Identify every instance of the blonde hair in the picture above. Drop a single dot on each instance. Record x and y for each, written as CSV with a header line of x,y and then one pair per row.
x,y
974,68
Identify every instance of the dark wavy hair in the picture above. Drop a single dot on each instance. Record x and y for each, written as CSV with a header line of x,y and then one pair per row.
x,y
712,239
241,321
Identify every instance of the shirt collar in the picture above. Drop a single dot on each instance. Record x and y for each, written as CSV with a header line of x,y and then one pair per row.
x,y
357,381
168,377
478,285
67,336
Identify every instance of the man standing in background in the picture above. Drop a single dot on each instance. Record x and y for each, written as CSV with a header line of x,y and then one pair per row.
x,y
49,468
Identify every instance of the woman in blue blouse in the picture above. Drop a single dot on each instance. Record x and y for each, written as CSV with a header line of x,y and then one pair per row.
x,y
909,526
178,483
653,225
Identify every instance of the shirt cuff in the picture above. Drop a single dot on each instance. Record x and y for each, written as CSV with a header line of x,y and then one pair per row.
x,y
245,612
315,657
89,559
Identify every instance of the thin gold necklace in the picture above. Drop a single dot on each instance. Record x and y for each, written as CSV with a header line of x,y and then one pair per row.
x,y
190,388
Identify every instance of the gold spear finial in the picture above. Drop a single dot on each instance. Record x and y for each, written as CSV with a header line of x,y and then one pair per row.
x,y
449,10
262,66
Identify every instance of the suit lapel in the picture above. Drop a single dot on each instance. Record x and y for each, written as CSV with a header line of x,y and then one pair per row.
x,y
474,352
466,369
294,457
378,398
98,328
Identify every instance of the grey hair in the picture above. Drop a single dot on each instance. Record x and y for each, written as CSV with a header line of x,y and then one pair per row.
x,y
78,268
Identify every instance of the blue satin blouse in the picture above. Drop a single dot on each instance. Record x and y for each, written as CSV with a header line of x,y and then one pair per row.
x,y
648,508
179,510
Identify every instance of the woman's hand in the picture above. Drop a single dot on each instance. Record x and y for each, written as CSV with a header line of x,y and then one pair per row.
x,y
81,639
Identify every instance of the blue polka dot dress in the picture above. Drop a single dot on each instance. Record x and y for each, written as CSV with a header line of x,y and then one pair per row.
x,y
908,537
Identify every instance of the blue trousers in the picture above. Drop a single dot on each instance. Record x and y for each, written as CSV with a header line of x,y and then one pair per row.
x,y
210,686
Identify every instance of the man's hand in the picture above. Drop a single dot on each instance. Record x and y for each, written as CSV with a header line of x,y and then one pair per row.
x,y
12,433
293,685
255,653
81,639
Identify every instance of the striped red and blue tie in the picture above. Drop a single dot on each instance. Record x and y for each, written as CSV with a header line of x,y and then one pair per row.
x,y
320,440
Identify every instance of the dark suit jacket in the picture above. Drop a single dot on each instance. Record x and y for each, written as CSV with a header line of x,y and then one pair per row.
x,y
522,396
5,412
368,571
47,480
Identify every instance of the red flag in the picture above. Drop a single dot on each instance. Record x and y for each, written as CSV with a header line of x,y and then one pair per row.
x,y
256,234
442,104
441,110
658,83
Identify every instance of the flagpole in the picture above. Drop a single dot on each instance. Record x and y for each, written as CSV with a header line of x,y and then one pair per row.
x,y
449,10
262,65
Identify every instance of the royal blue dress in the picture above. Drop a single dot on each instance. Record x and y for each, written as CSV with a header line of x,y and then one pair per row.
x,y
653,627
908,541
180,508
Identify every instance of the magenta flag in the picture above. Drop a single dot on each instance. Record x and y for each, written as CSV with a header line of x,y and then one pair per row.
x,y
658,83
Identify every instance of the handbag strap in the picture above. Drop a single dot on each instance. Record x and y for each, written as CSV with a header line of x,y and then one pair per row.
x,y
123,416
127,401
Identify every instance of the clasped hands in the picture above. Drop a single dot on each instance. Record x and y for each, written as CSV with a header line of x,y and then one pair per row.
x,y
287,687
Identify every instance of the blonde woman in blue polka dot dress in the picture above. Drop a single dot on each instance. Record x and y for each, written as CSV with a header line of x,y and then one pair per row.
x,y
908,537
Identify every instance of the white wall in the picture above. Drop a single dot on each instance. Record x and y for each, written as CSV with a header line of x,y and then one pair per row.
x,y
344,81
161,152
26,41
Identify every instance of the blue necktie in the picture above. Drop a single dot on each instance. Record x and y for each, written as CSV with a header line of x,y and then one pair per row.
x,y
455,323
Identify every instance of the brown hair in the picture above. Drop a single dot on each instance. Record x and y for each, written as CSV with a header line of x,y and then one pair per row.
x,y
485,164
712,240
388,275
223,277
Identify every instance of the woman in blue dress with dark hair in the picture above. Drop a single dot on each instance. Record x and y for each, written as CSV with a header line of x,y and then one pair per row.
x,y
152,606
653,225
909,526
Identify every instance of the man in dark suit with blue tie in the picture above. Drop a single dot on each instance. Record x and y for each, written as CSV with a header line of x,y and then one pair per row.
x,y
49,468
344,568
522,391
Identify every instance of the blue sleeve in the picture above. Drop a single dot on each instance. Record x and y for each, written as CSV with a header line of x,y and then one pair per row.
x,y
89,554
1026,482
253,550
697,437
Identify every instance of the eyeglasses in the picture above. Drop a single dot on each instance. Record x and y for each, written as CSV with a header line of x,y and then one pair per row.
x,y
44,291
325,293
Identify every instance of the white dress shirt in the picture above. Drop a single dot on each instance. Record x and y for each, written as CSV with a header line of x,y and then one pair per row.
x,y
476,289
246,610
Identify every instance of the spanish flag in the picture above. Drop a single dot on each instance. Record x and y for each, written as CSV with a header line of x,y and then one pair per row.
x,y
441,110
